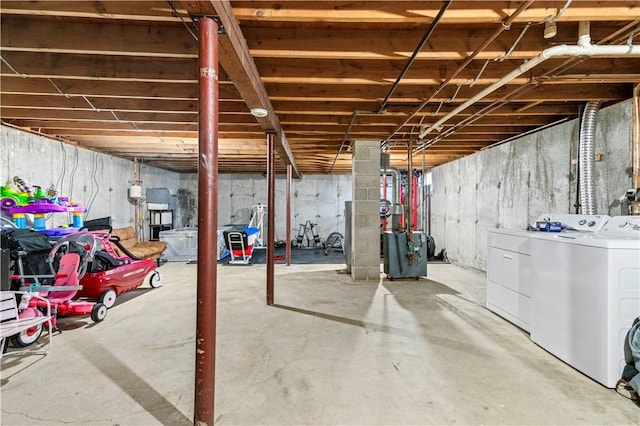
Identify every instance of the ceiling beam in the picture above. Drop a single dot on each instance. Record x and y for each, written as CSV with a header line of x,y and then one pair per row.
x,y
91,38
397,13
380,44
384,72
155,11
97,67
241,69
416,93
422,13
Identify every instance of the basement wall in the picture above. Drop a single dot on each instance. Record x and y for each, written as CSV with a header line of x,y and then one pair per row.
x,y
510,185
99,182
318,198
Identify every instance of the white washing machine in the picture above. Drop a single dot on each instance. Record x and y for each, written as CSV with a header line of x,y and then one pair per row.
x,y
585,295
509,265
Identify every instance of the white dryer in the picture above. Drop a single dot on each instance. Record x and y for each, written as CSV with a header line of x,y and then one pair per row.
x,y
585,295
509,274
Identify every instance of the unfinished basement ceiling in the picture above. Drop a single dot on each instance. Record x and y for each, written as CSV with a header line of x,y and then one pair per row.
x,y
121,77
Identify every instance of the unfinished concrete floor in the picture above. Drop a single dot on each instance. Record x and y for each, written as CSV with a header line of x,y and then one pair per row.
x,y
331,352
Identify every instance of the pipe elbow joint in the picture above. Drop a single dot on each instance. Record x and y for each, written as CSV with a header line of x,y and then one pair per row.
x,y
559,50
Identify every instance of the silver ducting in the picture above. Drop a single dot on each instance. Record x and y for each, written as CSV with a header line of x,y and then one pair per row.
x,y
397,180
586,157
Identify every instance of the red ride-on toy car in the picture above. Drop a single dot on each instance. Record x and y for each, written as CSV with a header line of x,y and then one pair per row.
x,y
68,263
110,275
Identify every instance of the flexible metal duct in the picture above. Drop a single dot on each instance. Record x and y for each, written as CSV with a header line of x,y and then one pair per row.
x,y
397,180
585,158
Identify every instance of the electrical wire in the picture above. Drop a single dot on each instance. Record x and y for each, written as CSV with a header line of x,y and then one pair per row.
x,y
63,171
92,196
174,12
12,68
73,172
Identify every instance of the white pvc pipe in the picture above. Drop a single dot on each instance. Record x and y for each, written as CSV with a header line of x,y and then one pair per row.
x,y
584,48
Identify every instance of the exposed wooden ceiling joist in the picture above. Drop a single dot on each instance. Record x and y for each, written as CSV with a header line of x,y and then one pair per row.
x,y
121,77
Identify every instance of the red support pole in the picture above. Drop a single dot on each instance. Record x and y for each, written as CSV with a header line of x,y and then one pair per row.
x,y
271,215
415,201
288,218
207,223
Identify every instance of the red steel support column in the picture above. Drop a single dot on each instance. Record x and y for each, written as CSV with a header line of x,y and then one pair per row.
x,y
271,215
288,219
207,223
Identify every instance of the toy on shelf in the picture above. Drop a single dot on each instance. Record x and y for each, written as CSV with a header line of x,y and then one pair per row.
x,y
24,187
26,196
52,193
11,198
26,201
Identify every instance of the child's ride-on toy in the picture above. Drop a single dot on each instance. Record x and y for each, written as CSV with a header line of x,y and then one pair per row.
x,y
71,258
110,275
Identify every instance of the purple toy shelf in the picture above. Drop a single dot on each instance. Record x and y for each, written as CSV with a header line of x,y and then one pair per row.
x,y
38,208
45,208
57,232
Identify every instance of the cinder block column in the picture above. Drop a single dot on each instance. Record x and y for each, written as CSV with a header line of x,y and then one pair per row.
x,y
365,216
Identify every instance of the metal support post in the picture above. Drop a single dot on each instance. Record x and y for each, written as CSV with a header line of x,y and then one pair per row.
x,y
207,223
271,222
288,218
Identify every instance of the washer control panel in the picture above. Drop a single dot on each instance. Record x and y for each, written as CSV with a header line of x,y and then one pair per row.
x,y
576,222
628,226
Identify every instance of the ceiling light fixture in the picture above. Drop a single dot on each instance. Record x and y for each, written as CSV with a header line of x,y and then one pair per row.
x,y
259,112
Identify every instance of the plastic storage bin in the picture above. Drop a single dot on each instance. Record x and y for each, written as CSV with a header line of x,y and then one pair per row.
x,y
182,244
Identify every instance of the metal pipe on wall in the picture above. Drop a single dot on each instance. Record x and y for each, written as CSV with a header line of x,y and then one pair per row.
x,y
354,114
288,218
271,213
586,157
585,49
136,201
409,209
620,35
505,25
418,48
636,137
395,173
207,223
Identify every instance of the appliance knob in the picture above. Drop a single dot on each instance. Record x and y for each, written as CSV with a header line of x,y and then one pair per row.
x,y
591,223
582,222
623,225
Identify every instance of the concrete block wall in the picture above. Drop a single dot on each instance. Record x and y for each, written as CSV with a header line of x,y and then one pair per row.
x,y
510,185
365,211
318,198
98,181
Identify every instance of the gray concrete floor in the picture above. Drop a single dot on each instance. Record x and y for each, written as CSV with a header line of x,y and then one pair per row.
x,y
331,352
